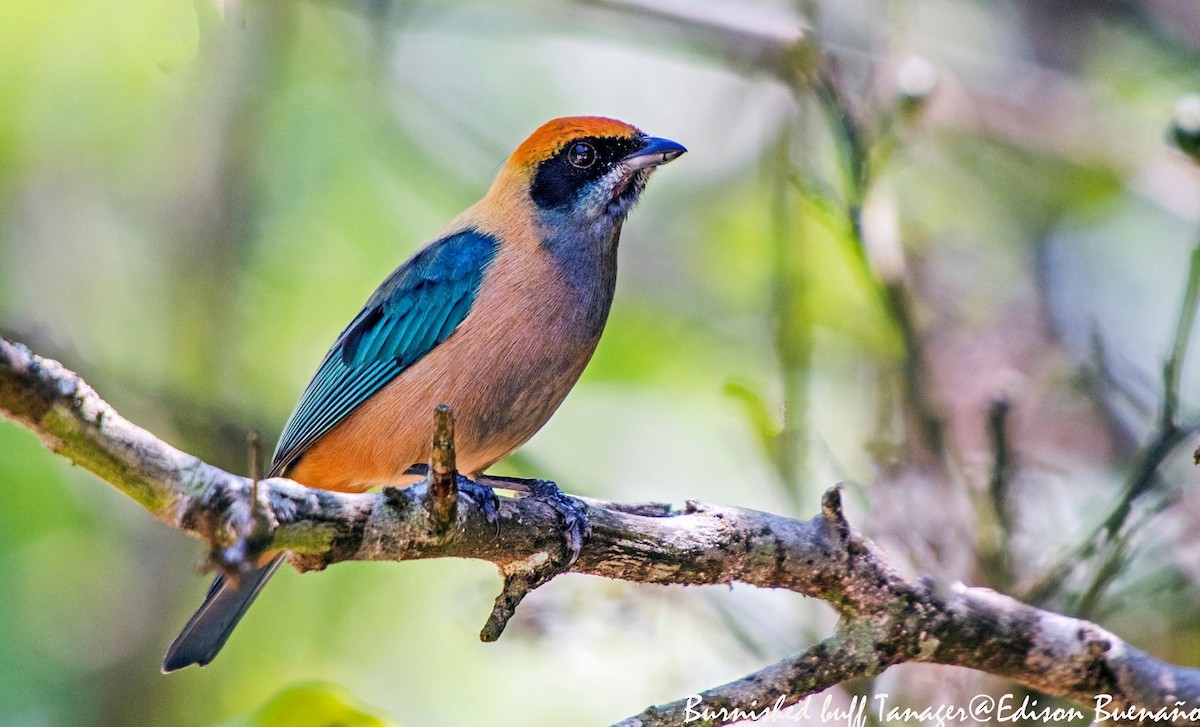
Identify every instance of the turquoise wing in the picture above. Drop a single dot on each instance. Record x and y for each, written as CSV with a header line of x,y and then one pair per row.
x,y
414,310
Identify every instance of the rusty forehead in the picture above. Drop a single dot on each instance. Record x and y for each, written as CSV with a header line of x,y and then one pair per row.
x,y
553,135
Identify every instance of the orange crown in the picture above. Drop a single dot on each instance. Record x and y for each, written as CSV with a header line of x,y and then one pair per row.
x,y
553,135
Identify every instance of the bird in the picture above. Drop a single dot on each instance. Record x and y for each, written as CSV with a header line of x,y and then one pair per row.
x,y
497,317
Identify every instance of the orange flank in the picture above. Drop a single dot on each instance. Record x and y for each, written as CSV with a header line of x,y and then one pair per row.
x,y
504,371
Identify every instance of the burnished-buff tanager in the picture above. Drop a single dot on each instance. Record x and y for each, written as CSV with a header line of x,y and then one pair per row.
x,y
496,317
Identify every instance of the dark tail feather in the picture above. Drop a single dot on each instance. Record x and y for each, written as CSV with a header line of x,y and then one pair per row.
x,y
210,627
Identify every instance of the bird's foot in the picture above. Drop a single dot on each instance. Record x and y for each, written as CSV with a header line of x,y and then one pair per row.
x,y
479,493
577,528
483,496
241,558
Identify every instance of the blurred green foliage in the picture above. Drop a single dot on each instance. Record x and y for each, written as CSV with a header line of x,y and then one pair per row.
x,y
196,196
310,705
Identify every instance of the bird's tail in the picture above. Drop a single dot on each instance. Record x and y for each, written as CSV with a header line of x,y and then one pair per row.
x,y
209,628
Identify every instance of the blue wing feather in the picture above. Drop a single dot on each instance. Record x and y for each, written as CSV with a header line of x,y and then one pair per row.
x,y
414,310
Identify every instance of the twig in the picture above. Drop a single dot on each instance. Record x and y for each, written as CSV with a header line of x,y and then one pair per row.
x,y
1169,434
1002,464
856,141
845,655
516,587
994,538
793,334
256,470
778,52
1173,368
443,473
885,618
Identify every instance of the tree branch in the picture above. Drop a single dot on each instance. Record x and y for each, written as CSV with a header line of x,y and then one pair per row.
x,y
885,619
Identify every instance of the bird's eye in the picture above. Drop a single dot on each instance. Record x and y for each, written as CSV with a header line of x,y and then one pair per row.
x,y
582,155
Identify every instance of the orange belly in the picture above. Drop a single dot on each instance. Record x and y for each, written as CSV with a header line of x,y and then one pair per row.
x,y
504,371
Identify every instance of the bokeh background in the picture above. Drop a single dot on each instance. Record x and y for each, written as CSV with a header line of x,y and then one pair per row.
x,y
938,250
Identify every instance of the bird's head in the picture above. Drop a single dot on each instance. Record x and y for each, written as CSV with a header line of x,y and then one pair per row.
x,y
588,169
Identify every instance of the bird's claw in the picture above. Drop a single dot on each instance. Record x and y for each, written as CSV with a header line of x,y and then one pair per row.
x,y
240,559
577,528
482,495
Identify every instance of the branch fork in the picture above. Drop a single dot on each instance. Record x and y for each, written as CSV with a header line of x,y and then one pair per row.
x,y
521,577
885,618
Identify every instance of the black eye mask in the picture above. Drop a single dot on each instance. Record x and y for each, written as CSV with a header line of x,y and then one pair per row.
x,y
562,179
